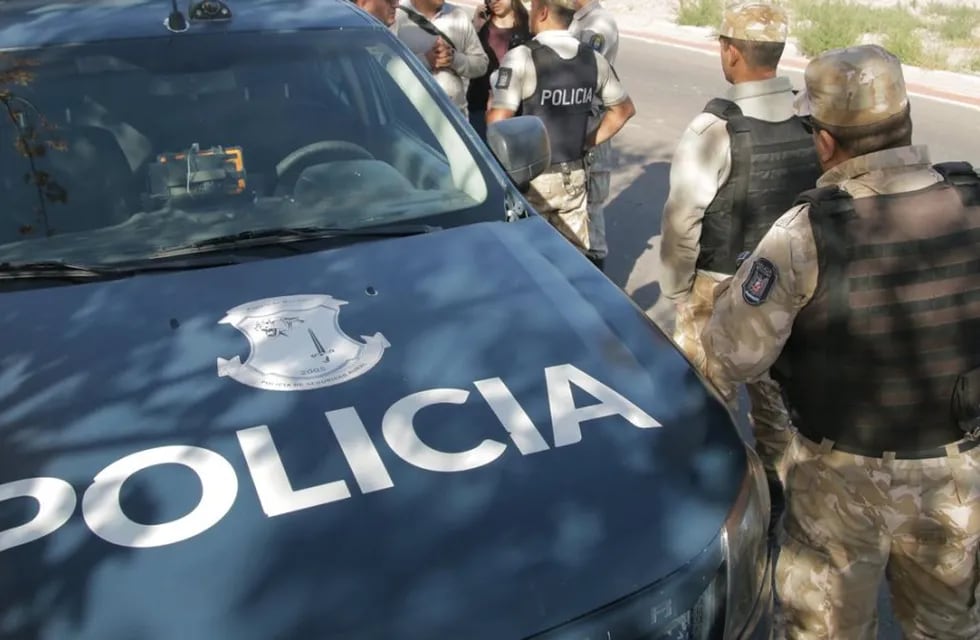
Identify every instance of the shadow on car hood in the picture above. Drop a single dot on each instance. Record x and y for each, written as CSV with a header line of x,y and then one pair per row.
x,y
362,444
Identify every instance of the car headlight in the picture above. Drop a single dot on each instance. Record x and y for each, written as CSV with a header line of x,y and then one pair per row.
x,y
690,605
746,548
720,593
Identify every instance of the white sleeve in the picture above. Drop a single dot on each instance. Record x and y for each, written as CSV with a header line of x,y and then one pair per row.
x,y
514,81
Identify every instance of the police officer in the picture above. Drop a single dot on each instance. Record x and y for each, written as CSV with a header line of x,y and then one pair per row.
x,y
865,302
595,25
556,77
738,166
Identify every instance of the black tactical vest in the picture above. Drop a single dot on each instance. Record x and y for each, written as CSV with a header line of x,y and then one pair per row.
x,y
772,163
895,319
563,98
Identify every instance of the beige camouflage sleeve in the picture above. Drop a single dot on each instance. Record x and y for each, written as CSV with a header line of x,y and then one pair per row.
x,y
755,309
701,162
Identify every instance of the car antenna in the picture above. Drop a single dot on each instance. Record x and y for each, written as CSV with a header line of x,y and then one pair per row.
x,y
175,22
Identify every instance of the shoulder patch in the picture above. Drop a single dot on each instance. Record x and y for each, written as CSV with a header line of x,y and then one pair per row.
x,y
504,75
597,42
760,281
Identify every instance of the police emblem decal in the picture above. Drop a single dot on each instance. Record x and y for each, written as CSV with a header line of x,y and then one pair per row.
x,y
597,42
758,285
503,77
297,344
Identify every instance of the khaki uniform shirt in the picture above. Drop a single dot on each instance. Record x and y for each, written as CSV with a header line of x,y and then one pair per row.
x,y
744,339
701,165
594,25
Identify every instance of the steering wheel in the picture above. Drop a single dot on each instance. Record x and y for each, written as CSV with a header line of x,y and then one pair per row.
x,y
290,167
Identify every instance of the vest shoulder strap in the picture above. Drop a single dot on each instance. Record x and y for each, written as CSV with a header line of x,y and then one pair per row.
x,y
723,108
825,201
957,173
964,178
830,209
740,135
533,45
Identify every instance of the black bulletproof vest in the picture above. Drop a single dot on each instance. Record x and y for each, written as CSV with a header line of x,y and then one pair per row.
x,y
772,162
895,318
563,98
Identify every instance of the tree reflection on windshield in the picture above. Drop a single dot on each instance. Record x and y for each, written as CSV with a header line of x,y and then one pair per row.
x,y
33,137
111,151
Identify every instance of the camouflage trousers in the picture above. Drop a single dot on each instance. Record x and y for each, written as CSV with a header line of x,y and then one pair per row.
x,y
767,413
852,520
561,196
600,161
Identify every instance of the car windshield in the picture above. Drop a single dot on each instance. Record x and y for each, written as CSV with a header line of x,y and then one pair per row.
x,y
117,150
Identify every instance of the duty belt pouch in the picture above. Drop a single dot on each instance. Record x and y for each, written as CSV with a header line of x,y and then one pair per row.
x,y
567,168
965,406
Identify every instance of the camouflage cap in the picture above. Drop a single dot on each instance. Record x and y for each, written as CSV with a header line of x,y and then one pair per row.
x,y
754,21
853,86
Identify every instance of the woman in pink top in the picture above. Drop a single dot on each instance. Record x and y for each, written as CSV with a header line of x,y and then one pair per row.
x,y
501,25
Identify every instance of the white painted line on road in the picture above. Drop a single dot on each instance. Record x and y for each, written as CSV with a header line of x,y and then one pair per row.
x,y
684,47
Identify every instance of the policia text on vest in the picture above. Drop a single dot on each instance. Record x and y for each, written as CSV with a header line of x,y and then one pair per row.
x,y
566,97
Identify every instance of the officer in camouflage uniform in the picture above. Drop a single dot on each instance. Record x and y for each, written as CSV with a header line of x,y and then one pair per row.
x,y
739,165
556,78
595,26
864,302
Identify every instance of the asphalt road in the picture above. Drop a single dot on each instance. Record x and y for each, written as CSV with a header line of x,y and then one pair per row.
x,y
669,86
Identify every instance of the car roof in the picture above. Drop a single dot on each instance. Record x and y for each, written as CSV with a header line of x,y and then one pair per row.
x,y
37,23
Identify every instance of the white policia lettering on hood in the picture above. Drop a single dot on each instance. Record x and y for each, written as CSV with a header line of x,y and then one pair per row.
x,y
103,513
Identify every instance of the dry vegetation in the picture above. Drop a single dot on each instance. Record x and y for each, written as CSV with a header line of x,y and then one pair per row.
x,y
933,35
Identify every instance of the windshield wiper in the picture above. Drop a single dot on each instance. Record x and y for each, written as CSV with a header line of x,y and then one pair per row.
x,y
276,235
59,270
54,269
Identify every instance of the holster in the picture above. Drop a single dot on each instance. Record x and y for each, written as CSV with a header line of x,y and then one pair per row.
x,y
965,404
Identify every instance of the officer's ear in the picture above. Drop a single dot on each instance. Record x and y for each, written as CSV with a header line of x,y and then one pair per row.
x,y
827,147
544,11
730,54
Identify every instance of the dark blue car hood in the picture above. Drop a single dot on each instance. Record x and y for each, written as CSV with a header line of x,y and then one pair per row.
x,y
529,536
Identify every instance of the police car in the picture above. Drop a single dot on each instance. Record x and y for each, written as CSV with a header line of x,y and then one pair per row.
x,y
285,354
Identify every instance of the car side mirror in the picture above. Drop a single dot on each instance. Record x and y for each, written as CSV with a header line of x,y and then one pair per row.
x,y
522,147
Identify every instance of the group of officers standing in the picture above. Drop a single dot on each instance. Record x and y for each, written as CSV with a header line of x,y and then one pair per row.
x,y
555,62
817,255
813,253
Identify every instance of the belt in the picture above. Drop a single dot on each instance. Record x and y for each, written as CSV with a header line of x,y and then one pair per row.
x,y
959,446
566,167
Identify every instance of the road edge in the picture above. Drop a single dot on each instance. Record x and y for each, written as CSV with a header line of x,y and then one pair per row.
x,y
799,64
699,42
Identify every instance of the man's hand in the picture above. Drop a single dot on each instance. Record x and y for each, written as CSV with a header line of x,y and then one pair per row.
x,y
440,56
497,114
